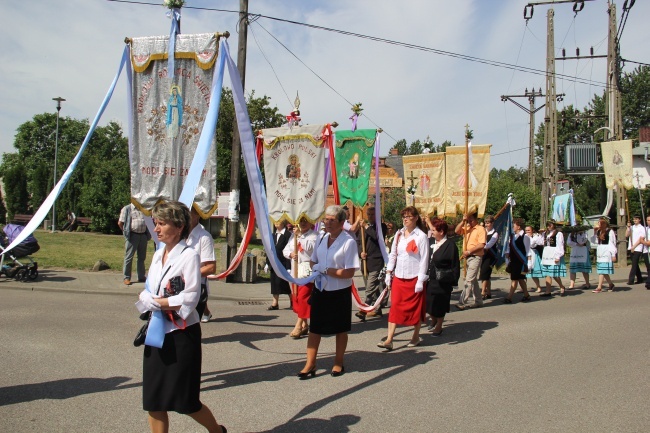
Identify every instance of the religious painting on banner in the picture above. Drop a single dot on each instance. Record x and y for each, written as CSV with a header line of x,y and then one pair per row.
x,y
168,116
294,172
617,163
354,151
426,173
476,185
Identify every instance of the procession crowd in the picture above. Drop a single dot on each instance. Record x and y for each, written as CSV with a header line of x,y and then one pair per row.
x,y
421,272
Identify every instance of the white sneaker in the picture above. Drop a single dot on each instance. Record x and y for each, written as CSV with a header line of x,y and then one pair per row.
x,y
206,318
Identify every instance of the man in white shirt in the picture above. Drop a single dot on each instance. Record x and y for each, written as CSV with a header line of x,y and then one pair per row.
x,y
636,245
201,241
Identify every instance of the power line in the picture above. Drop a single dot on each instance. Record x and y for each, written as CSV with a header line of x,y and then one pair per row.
x,y
452,54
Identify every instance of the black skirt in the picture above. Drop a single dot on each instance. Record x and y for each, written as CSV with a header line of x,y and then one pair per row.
x,y
331,312
438,299
172,375
279,286
486,268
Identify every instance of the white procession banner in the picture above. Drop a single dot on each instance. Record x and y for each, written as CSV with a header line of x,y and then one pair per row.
x,y
168,117
294,168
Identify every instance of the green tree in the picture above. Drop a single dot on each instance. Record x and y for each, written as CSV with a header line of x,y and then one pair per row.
x,y
635,89
3,210
394,200
515,181
262,116
15,182
415,148
402,148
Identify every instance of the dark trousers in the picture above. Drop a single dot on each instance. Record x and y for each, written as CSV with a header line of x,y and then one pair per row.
x,y
635,270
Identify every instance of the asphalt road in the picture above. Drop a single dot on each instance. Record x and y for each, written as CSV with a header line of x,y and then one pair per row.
x,y
573,364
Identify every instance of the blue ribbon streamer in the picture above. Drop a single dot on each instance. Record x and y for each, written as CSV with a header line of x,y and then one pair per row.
x,y
156,330
380,232
258,192
43,211
175,15
207,134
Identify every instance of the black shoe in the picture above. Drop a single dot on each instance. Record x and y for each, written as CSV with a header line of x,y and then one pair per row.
x,y
273,307
338,373
361,315
546,295
304,376
630,283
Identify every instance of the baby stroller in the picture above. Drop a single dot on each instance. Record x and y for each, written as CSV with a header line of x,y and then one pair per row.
x,y
10,266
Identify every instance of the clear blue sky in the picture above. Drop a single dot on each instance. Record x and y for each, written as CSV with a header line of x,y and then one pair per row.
x,y
72,49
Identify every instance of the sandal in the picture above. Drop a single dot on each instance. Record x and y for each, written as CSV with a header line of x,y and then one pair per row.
x,y
546,295
597,290
562,292
611,288
525,298
295,334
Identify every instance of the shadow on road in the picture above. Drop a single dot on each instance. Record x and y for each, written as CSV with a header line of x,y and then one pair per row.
x,y
62,389
337,424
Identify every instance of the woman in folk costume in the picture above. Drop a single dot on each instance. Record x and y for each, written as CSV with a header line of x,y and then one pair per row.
x,y
579,248
535,257
306,241
406,273
553,238
606,252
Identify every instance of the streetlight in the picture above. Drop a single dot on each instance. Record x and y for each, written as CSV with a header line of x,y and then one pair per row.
x,y
56,152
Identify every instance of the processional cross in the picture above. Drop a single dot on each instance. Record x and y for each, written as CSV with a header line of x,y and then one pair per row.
x,y
412,188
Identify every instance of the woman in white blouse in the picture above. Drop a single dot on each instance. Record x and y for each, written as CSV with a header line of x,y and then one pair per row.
x,y
406,273
172,374
299,251
335,259
606,252
554,239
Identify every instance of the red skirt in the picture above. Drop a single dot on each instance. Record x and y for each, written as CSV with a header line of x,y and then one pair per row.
x,y
300,302
406,306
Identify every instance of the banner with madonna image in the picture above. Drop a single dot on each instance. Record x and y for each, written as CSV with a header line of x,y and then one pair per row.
x,y
354,152
294,169
617,163
168,117
476,183
424,175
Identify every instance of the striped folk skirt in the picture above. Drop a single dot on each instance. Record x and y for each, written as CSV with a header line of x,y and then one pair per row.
x,y
577,267
605,268
558,270
536,272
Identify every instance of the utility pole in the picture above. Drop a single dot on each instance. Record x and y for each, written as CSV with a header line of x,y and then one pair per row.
x,y
550,162
614,122
235,162
531,136
549,166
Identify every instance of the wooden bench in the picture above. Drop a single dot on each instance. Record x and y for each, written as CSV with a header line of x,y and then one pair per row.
x,y
83,222
21,219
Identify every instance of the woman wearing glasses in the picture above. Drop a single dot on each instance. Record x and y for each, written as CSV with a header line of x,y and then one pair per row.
x,y
406,273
